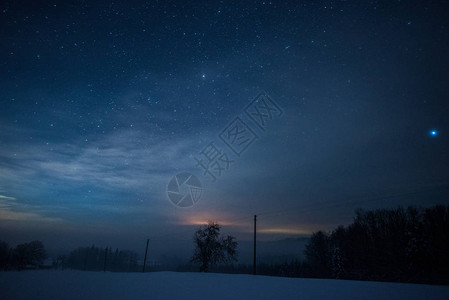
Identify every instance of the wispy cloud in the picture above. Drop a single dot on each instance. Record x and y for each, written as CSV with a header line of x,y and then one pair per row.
x,y
10,210
125,159
122,162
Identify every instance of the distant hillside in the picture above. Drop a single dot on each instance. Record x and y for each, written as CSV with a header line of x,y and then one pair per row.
x,y
279,251
176,252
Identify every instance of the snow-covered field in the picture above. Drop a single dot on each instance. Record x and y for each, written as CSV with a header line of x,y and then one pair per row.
x,y
171,285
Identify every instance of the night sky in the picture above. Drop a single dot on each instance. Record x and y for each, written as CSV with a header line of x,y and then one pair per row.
x,y
102,103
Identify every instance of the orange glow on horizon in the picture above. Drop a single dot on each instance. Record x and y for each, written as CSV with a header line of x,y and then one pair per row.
x,y
199,219
245,225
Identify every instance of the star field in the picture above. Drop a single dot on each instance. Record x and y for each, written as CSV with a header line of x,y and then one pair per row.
x,y
103,102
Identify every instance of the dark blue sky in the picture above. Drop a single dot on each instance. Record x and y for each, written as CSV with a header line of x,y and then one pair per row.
x,y
102,103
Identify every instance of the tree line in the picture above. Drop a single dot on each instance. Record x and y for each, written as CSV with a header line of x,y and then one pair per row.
x,y
32,255
24,256
98,259
402,245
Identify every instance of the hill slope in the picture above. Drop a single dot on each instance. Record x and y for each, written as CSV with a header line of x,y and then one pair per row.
x,y
171,285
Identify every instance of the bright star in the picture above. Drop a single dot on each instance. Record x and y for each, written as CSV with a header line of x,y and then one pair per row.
x,y
433,133
204,76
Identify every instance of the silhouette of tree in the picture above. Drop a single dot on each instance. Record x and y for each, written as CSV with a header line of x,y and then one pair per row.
x,y
406,245
211,249
318,255
5,255
30,254
436,246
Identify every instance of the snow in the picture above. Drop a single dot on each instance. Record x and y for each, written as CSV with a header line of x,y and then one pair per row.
x,y
171,285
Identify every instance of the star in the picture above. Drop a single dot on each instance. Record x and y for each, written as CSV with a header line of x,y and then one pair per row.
x,y
433,132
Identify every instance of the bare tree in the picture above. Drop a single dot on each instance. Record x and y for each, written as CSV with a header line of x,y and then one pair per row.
x,y
211,248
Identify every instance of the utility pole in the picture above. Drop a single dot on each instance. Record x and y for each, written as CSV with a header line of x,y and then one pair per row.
x,y
145,259
254,262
